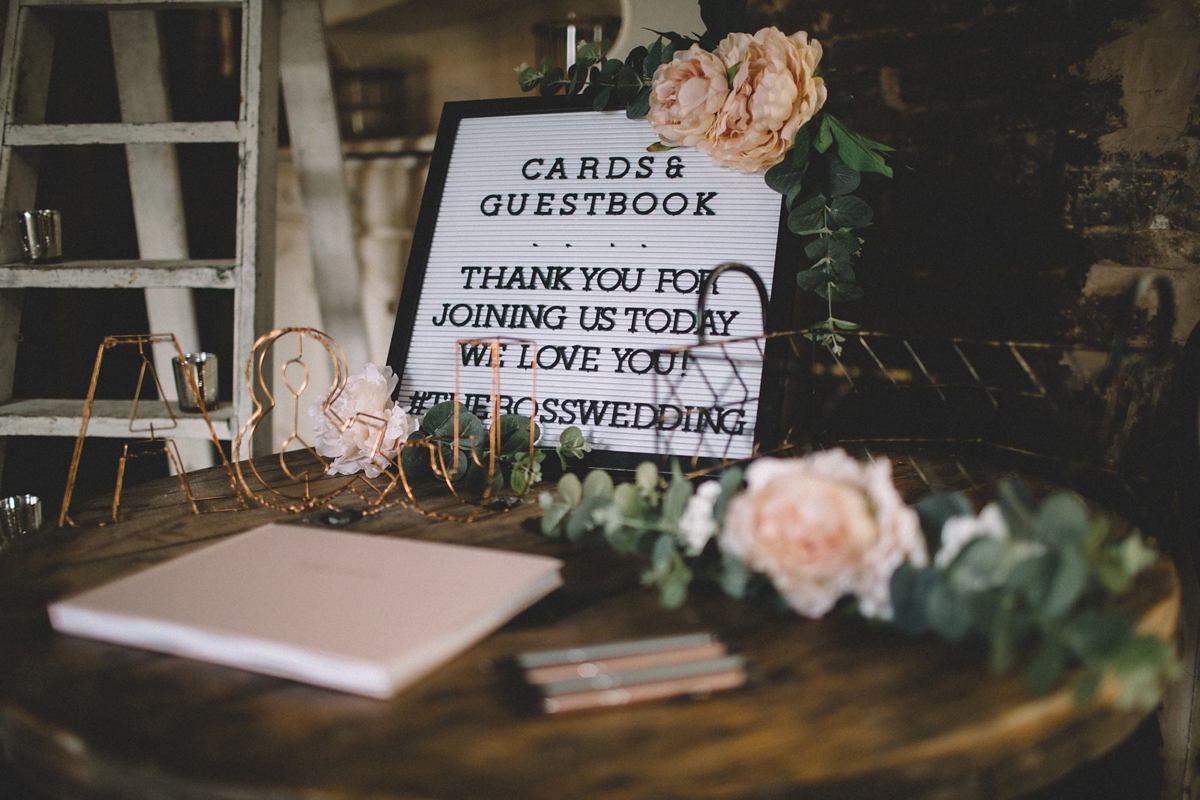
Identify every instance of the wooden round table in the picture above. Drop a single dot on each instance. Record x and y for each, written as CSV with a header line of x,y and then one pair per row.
x,y
836,708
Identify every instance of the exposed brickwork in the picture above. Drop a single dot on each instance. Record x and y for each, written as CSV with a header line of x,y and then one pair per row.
x,y
1044,139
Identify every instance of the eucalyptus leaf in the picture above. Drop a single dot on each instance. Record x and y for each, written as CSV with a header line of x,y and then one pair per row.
x,y
600,101
636,58
552,517
552,81
947,612
1062,521
652,60
849,211
663,553
735,576
1070,579
436,416
1097,635
528,77
812,279
731,73
1002,645
571,489
848,240
640,106
843,179
840,292
826,247
807,216
646,478
598,483
824,134
1047,668
784,177
581,522
676,498
910,589
1018,506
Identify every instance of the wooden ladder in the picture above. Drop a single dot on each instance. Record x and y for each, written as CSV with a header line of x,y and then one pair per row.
x,y
149,139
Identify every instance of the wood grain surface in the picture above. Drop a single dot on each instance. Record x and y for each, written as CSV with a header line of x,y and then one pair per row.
x,y
836,708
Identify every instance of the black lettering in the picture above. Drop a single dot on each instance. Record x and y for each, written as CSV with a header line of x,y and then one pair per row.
x,y
588,164
559,170
487,276
543,207
612,164
618,413
652,414
560,278
616,203
501,317
587,277
592,412
681,209
637,209
549,411
511,197
645,168
568,201
588,365
636,312
525,169
470,273
702,208
517,277
594,196
495,209
674,167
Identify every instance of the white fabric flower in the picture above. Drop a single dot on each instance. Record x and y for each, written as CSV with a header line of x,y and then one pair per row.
x,y
824,526
362,428
696,524
958,532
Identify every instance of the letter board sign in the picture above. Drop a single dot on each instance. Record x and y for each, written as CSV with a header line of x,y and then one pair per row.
x,y
550,228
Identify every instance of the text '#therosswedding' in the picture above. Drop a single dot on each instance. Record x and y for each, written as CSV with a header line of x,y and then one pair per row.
x,y
727,420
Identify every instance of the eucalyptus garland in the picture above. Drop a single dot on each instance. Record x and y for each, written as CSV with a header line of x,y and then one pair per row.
x,y
1038,583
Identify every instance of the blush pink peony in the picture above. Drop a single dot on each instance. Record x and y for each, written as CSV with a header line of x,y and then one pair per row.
x,y
685,97
822,527
773,93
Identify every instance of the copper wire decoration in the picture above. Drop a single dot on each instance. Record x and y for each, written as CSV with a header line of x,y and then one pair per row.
x,y
154,444
306,485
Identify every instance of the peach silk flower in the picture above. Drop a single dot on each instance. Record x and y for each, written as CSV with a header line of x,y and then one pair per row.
x,y
772,94
686,94
822,527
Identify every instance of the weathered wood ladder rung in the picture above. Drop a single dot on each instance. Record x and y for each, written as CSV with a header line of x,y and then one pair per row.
x,y
149,135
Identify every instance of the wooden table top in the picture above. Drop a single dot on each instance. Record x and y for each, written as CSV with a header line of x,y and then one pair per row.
x,y
834,708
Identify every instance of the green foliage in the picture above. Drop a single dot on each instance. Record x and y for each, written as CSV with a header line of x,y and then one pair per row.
x,y
432,448
642,518
1046,585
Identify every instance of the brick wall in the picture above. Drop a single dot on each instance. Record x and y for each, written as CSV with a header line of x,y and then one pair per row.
x,y
1050,156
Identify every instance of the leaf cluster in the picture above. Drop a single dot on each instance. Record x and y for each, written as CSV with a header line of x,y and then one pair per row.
x,y
818,179
641,518
1048,586
431,449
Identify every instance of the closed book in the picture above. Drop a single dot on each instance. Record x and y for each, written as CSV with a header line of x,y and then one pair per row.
x,y
360,613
